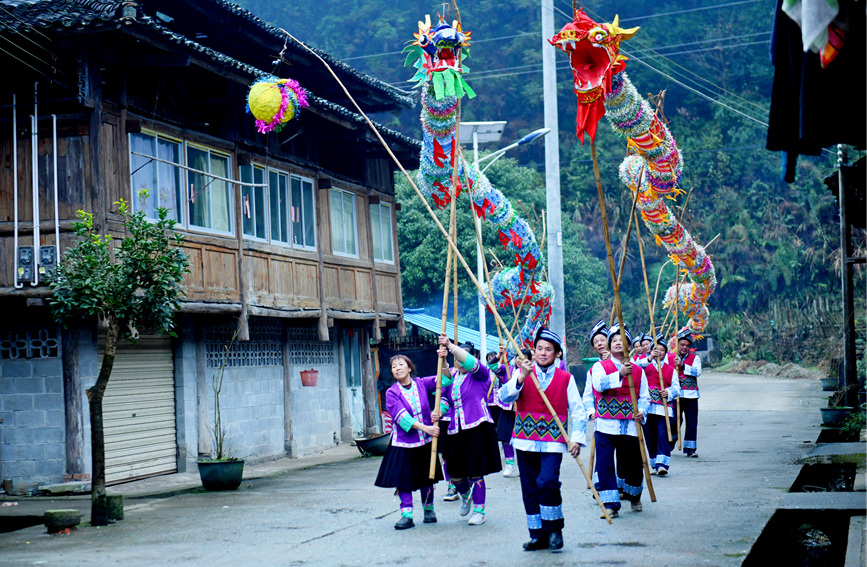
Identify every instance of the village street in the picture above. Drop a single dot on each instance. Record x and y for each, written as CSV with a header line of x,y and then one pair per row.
x,y
710,510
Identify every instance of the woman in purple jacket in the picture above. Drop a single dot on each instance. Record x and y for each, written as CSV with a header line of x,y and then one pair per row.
x,y
406,463
471,450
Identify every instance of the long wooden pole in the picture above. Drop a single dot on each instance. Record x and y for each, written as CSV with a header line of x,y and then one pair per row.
x,y
632,395
676,329
652,325
625,249
439,387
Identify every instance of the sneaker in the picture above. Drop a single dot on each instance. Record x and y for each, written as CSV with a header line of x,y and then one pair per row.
x,y
477,519
430,517
451,495
637,507
611,514
652,471
693,455
507,470
404,523
466,504
662,472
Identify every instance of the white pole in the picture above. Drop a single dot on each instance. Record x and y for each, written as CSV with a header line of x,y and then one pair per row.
x,y
480,254
34,142
552,174
56,202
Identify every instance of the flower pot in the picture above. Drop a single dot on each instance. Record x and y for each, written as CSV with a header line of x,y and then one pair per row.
x,y
829,384
309,377
834,416
221,475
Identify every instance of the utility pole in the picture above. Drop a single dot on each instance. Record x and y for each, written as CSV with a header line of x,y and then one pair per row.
x,y
552,175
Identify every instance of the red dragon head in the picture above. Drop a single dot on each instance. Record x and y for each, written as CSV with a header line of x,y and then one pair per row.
x,y
594,54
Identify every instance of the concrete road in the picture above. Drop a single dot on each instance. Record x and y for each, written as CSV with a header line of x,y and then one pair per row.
x,y
709,511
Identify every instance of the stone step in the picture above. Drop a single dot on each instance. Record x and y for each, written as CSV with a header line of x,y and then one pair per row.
x,y
856,551
837,501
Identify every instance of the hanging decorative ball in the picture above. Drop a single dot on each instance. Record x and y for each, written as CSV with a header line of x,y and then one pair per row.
x,y
274,102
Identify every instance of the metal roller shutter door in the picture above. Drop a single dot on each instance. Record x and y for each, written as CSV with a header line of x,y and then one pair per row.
x,y
139,411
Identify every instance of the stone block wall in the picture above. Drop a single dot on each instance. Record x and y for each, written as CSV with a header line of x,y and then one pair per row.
x,y
32,435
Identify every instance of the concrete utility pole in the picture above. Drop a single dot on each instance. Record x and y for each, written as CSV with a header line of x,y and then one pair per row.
x,y
552,174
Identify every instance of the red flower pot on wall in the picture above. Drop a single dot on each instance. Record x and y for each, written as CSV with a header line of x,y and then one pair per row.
x,y
309,377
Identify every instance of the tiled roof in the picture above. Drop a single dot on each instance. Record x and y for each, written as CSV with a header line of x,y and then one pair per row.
x,y
77,14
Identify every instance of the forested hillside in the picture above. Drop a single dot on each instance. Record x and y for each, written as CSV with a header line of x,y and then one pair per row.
x,y
775,244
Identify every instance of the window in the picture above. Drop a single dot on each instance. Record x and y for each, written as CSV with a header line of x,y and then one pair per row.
x,y
380,228
254,209
162,180
210,199
278,183
343,226
302,215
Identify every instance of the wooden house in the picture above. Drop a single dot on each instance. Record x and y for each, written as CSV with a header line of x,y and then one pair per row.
x,y
292,231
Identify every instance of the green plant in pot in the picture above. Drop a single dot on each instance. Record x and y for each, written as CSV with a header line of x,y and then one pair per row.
x,y
836,412
224,471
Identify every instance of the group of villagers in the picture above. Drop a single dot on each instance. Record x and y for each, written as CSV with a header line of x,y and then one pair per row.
x,y
483,404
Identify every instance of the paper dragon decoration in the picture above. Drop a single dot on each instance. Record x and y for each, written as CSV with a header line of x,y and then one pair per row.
x,y
654,165
274,102
437,54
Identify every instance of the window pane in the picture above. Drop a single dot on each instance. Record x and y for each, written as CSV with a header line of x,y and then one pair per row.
x,y
295,214
349,222
274,190
375,232
221,195
170,192
284,207
387,243
200,206
338,242
144,173
248,203
259,192
309,217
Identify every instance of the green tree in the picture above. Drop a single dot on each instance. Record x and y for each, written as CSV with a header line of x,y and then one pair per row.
x,y
133,285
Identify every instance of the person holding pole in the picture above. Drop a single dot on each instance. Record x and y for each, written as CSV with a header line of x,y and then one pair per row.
x,y
503,414
616,423
662,382
471,449
407,459
599,342
538,441
688,370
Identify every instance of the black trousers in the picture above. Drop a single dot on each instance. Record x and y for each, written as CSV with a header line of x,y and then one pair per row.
x,y
540,488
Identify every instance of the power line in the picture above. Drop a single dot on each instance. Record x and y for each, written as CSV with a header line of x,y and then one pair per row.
x,y
690,10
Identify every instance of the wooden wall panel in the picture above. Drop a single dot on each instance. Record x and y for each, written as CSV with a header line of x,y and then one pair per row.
x,y
306,280
386,290
332,288
258,271
193,281
109,158
363,286
220,270
282,282
347,286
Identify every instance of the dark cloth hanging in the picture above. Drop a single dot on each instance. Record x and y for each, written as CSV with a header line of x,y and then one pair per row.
x,y
813,108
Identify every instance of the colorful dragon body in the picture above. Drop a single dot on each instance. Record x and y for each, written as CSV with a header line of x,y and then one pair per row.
x,y
437,54
654,165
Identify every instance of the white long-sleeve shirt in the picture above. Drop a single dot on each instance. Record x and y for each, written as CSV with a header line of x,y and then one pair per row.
x,y
511,391
603,381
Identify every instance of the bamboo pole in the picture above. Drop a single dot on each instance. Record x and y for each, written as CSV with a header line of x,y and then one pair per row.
x,y
652,326
619,311
676,330
625,249
455,277
439,382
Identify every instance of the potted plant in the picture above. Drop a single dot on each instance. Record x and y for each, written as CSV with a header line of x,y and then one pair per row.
x,y
224,471
835,413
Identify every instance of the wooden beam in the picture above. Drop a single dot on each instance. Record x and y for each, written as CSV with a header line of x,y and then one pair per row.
x,y
75,462
204,431
288,438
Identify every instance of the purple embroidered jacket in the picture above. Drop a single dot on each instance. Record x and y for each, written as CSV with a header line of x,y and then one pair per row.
x,y
466,397
397,405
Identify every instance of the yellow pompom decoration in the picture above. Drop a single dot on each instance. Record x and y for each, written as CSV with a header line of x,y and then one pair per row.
x,y
265,100
274,102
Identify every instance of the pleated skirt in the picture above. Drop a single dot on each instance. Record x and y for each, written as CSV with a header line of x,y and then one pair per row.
x,y
473,453
407,469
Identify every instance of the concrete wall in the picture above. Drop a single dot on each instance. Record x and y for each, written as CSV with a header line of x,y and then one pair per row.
x,y
32,441
315,409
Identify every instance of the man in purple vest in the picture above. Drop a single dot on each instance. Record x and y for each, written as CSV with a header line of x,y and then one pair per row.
x,y
538,443
616,422
688,370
